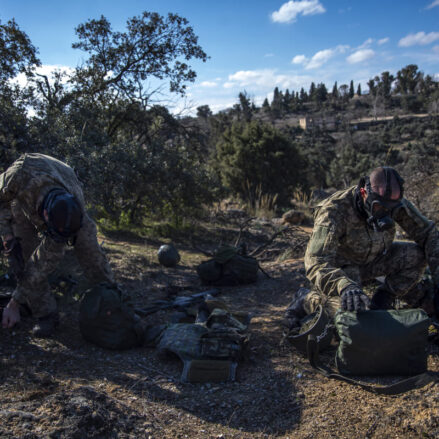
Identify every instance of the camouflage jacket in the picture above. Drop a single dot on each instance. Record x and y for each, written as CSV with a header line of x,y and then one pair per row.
x,y
341,237
27,181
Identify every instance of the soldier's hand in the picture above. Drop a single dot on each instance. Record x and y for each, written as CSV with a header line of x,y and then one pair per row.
x,y
353,299
11,314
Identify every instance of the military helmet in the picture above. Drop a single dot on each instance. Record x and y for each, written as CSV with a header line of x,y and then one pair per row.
x,y
317,324
168,255
64,215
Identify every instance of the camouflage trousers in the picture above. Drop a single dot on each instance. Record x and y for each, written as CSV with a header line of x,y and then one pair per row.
x,y
402,268
43,255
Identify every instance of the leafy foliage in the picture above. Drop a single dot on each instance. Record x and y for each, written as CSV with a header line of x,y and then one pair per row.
x,y
254,157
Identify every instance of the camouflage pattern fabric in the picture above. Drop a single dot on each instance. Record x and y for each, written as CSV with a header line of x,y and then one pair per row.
x,y
23,187
344,250
209,351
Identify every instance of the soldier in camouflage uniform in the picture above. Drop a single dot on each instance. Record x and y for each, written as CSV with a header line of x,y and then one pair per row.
x,y
42,210
352,243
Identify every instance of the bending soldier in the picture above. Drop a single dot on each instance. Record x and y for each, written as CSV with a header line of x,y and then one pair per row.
x,y
41,211
352,243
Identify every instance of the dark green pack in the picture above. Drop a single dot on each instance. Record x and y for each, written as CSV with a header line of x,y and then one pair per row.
x,y
379,342
210,351
229,267
382,342
107,319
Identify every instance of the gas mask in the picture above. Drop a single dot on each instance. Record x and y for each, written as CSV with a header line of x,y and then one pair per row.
x,y
380,208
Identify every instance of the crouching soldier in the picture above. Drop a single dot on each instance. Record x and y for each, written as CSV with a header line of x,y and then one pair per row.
x,y
352,243
41,212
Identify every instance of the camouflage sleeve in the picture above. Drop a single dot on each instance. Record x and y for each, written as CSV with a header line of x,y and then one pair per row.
x,y
320,257
6,196
421,230
43,261
90,254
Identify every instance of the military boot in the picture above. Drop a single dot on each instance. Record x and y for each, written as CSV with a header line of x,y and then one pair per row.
x,y
382,299
46,326
295,311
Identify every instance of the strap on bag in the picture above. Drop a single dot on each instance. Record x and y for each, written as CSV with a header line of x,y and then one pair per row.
x,y
414,382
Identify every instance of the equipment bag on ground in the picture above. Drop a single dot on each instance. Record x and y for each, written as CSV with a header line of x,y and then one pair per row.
x,y
210,350
380,342
107,319
229,267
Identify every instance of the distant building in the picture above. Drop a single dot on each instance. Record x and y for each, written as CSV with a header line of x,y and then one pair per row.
x,y
323,122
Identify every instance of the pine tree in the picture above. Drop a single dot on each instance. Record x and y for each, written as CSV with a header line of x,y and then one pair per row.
x,y
351,89
335,90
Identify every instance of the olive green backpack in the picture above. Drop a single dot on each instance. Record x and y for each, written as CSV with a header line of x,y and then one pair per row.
x,y
379,342
107,318
229,266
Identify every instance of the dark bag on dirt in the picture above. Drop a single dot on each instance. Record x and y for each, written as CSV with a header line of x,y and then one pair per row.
x,y
107,319
229,267
210,351
380,342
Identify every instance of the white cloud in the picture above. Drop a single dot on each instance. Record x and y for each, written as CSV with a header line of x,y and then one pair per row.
x,y
289,11
319,58
47,70
366,44
299,59
421,39
436,49
360,56
383,40
208,84
266,79
432,5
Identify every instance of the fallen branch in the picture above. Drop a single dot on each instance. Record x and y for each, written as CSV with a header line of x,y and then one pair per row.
x,y
258,250
242,226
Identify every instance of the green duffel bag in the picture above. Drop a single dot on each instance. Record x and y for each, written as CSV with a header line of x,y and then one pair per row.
x,y
379,342
107,319
382,342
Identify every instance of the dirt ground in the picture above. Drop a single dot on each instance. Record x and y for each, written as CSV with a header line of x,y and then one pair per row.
x,y
67,388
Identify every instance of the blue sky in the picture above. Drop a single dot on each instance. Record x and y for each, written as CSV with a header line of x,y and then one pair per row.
x,y
258,45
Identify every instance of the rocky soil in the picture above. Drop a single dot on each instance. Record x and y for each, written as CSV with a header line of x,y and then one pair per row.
x,y
67,388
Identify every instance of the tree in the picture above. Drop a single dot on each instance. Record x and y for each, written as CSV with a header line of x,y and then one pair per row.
x,y
407,79
335,91
253,157
17,54
359,90
303,95
351,89
343,91
277,103
204,111
321,93
153,47
245,106
312,91
266,106
385,84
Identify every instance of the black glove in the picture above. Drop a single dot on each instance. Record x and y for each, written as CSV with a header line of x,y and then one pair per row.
x,y
15,256
353,299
